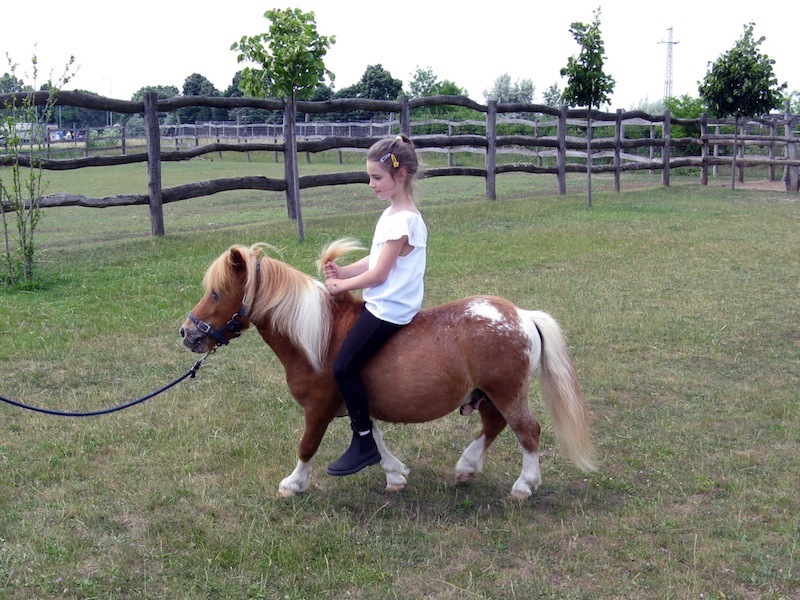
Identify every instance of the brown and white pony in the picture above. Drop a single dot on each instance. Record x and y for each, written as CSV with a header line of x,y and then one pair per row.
x,y
476,353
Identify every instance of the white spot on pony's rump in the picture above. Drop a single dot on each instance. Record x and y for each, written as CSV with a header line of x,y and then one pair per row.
x,y
483,309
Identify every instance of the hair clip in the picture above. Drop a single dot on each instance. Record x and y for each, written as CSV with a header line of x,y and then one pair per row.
x,y
387,156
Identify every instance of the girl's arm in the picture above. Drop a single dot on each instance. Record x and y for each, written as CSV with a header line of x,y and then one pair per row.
x,y
332,270
368,277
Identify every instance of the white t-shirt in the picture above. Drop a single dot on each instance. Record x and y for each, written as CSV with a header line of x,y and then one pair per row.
x,y
399,298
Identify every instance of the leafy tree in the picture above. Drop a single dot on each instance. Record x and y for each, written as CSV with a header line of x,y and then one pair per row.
x,y
248,115
553,96
741,83
163,91
290,66
376,84
76,117
198,85
424,83
685,107
794,101
504,91
9,83
290,56
23,128
587,83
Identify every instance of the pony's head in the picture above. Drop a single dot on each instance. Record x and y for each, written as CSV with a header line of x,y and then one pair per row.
x,y
226,307
245,286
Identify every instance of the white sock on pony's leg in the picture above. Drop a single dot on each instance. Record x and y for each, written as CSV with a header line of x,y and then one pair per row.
x,y
393,467
297,482
471,461
530,478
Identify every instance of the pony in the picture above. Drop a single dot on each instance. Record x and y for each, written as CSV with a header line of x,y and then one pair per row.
x,y
479,353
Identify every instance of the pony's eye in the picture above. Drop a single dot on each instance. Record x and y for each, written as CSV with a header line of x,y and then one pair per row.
x,y
215,296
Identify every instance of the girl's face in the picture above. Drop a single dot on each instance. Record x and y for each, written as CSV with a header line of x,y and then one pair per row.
x,y
385,184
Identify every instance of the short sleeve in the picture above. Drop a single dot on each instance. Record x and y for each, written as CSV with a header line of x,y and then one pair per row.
x,y
405,223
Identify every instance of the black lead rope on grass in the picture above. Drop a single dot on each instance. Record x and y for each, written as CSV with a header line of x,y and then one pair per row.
x,y
189,374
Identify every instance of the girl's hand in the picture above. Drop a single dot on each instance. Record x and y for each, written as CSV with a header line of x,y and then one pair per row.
x,y
333,285
331,270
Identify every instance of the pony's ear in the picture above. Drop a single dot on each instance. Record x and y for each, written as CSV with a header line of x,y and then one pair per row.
x,y
237,260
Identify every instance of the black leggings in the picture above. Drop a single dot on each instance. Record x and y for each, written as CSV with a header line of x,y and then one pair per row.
x,y
367,336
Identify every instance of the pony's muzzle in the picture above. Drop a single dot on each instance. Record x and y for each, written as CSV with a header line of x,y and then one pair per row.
x,y
194,339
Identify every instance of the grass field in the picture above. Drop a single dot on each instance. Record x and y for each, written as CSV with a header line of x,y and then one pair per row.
x,y
681,309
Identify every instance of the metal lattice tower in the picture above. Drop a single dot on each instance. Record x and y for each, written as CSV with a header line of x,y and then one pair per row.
x,y
668,74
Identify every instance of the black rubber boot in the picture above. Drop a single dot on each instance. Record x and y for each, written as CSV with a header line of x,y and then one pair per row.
x,y
362,453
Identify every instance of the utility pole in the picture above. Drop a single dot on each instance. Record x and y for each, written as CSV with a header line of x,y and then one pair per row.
x,y
668,74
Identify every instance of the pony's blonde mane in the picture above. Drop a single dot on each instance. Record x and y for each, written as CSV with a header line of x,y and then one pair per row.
x,y
290,302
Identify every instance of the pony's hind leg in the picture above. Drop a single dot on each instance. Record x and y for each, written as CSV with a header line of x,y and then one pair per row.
x,y
530,478
394,468
471,461
527,430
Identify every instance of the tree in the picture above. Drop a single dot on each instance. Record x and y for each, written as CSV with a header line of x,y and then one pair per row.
x,y
504,91
794,101
587,84
376,84
9,83
23,128
424,83
76,117
553,96
198,85
685,107
290,66
741,83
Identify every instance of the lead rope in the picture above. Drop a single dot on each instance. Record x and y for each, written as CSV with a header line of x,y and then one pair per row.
x,y
189,374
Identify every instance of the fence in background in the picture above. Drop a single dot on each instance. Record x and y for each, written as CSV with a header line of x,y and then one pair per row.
x,y
553,142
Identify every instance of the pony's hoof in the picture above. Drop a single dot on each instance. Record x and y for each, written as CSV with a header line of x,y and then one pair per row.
x,y
464,476
286,493
519,495
395,488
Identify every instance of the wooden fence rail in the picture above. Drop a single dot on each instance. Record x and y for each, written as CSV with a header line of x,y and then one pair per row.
x,y
559,134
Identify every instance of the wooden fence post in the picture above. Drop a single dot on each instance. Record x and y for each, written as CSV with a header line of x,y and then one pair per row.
x,y
290,168
619,135
704,149
491,149
405,116
790,173
665,154
153,136
773,132
561,151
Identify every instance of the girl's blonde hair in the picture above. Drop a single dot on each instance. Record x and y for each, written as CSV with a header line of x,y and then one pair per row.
x,y
397,153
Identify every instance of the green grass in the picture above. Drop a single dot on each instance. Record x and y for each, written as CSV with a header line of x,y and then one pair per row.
x,y
680,305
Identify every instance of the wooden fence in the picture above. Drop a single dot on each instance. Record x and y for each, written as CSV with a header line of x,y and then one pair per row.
x,y
557,145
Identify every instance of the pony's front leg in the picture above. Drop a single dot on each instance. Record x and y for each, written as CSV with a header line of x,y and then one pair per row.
x,y
394,468
316,424
297,482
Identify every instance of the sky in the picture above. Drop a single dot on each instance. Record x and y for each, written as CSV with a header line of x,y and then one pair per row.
x,y
118,51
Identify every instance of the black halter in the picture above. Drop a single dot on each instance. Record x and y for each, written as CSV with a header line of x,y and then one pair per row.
x,y
234,324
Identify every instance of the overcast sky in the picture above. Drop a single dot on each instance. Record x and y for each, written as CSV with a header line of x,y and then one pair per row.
x,y
121,48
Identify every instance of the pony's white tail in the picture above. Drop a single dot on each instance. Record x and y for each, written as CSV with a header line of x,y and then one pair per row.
x,y
562,394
